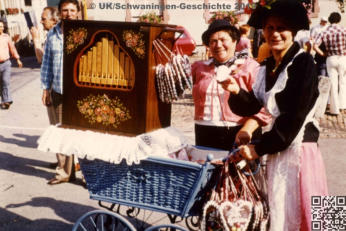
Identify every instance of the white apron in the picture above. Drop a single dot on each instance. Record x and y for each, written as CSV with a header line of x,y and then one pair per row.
x,y
283,167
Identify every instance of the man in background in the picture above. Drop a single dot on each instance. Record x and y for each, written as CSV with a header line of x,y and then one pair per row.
x,y
51,81
320,60
324,81
49,19
316,30
334,39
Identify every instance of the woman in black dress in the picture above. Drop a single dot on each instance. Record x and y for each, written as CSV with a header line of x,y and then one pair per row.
x,y
287,86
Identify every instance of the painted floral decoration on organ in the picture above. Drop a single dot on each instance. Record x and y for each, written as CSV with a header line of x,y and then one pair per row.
x,y
102,109
135,41
227,15
75,38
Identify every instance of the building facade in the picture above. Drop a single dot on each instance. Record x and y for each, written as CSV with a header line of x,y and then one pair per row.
x,y
193,15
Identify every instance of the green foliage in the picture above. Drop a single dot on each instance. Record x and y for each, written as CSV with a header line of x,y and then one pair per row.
x,y
151,17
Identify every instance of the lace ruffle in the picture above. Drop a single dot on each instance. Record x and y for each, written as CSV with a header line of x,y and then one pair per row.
x,y
109,147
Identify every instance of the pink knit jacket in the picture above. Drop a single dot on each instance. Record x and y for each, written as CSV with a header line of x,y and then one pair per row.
x,y
202,74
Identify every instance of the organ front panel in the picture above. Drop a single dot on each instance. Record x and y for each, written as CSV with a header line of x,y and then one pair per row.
x,y
105,65
108,77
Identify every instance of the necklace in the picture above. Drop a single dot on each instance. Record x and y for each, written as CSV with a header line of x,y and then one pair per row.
x,y
276,67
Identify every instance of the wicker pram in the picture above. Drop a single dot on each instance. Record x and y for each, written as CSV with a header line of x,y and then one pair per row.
x,y
163,185
170,186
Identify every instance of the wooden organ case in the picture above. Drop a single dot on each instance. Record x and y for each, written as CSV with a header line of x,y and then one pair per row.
x,y
109,76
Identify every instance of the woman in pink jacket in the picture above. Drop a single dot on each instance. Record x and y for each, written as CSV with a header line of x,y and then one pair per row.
x,y
215,124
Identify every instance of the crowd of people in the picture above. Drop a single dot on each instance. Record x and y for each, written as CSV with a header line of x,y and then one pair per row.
x,y
243,87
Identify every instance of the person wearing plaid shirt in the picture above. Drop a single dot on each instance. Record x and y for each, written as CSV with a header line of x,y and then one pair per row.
x,y
51,68
51,81
334,39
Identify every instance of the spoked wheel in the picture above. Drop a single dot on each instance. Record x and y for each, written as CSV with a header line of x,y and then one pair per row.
x,y
193,223
102,220
166,228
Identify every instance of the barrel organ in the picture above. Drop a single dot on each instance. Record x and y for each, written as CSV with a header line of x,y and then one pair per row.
x,y
109,77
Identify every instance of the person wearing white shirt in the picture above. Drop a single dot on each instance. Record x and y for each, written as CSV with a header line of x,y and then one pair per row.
x,y
314,31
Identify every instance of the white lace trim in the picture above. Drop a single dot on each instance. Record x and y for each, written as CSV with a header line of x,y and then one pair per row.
x,y
112,148
268,98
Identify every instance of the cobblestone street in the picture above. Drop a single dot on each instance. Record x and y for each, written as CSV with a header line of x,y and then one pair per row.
x,y
333,126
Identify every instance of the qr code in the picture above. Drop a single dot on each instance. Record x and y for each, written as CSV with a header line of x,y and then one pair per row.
x,y
328,213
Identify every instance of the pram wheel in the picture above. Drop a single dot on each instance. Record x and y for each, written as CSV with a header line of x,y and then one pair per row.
x,y
166,228
102,220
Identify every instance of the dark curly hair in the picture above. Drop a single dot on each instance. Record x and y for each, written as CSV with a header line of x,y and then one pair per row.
x,y
334,17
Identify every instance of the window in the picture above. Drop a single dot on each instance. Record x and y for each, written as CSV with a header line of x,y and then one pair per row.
x,y
27,2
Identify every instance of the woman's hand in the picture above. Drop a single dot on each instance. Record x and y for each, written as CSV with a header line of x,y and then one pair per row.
x,y
231,85
243,137
248,152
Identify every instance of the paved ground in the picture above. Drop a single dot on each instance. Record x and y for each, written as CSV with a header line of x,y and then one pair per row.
x,y
28,203
333,126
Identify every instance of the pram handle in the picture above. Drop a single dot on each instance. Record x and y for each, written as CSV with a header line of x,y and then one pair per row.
x,y
241,164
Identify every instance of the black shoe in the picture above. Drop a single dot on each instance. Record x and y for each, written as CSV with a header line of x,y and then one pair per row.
x,y
72,177
6,105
